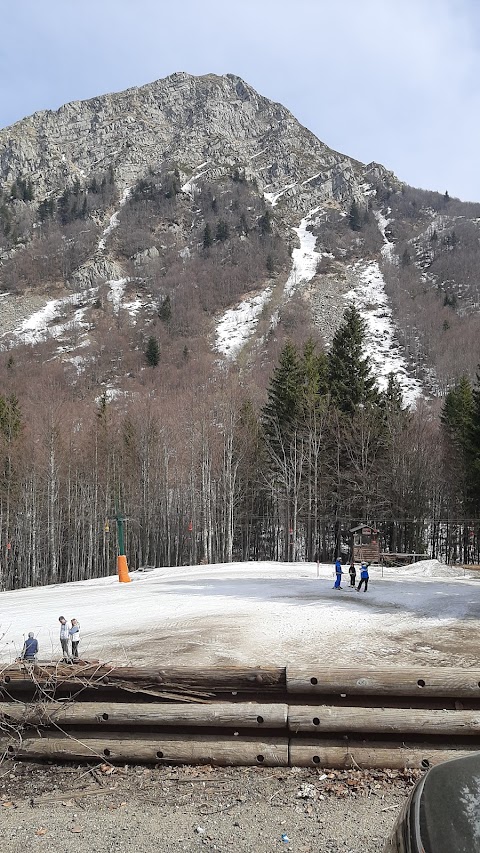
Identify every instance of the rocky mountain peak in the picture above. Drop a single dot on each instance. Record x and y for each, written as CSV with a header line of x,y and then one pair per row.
x,y
217,120
204,193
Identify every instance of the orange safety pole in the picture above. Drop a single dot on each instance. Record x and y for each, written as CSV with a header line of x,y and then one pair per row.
x,y
122,568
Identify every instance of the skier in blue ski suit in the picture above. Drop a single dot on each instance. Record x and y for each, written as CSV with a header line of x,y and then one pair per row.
x,y
338,574
363,577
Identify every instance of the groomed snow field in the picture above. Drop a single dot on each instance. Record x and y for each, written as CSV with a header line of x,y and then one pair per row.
x,y
255,613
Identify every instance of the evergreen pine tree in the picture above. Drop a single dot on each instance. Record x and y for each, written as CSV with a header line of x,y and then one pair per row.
x,y
152,352
457,413
473,451
457,417
222,231
350,380
314,369
171,185
101,411
392,397
64,212
28,192
265,223
283,409
207,237
354,217
165,310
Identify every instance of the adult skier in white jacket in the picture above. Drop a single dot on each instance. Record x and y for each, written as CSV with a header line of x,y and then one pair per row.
x,y
64,638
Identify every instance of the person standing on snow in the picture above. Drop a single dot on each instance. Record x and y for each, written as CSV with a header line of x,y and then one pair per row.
x,y
338,574
353,574
64,638
363,577
74,633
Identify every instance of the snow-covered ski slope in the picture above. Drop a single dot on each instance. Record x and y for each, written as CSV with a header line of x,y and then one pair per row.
x,y
255,613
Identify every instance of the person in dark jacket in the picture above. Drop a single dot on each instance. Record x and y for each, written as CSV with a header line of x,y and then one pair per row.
x,y
363,577
30,647
338,574
353,574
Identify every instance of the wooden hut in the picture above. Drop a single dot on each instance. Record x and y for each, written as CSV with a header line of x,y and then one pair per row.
x,y
364,544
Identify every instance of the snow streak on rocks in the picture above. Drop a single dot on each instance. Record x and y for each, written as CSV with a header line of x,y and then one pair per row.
x,y
305,259
43,323
238,324
273,197
387,250
189,186
117,289
385,356
113,221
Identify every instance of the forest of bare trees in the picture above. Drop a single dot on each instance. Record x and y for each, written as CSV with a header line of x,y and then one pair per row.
x,y
216,473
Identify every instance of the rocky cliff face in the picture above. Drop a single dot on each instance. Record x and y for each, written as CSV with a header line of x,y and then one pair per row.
x,y
198,200
217,121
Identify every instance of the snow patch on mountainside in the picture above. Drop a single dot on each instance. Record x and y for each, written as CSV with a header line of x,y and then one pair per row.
x,y
117,289
273,197
189,186
304,259
44,323
67,314
385,356
388,249
238,324
113,223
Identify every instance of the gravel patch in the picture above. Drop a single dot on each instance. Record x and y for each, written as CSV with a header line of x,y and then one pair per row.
x,y
170,809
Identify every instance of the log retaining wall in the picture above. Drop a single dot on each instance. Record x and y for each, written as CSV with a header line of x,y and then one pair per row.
x,y
290,716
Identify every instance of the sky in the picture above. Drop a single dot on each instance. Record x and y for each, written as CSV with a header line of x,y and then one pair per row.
x,y
394,81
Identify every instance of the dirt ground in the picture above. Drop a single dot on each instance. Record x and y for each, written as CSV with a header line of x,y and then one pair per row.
x,y
169,809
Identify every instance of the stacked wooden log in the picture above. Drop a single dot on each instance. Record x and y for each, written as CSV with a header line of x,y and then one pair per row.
x,y
273,716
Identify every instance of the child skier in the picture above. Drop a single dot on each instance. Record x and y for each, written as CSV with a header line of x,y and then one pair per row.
x,y
363,577
74,633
